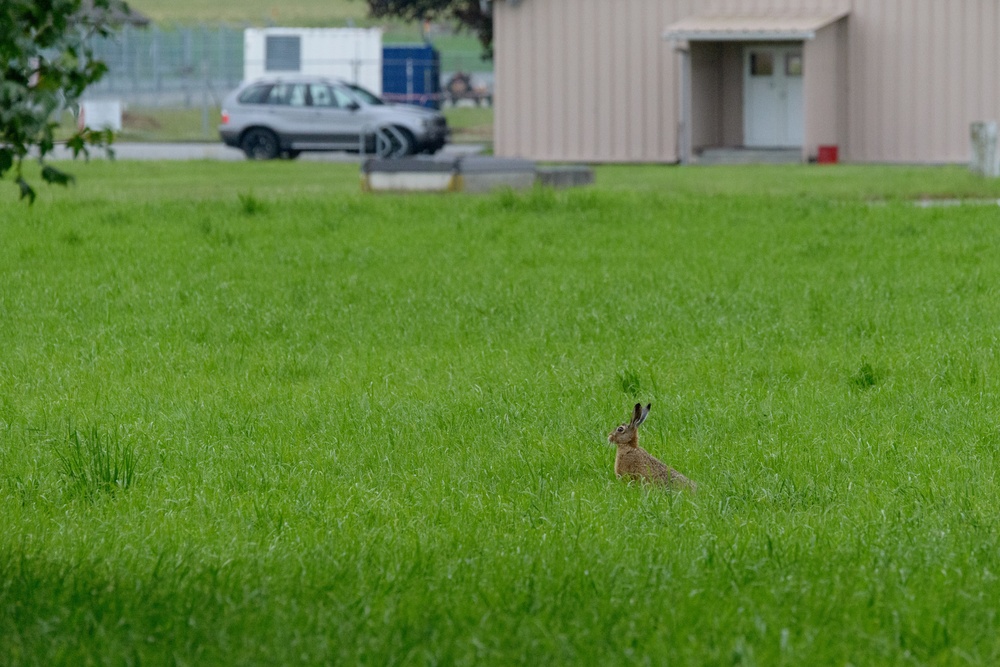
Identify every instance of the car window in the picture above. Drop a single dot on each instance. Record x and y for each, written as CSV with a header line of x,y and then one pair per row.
x,y
321,95
288,94
342,97
365,95
255,94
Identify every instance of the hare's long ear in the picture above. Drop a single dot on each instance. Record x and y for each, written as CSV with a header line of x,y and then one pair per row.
x,y
643,414
636,415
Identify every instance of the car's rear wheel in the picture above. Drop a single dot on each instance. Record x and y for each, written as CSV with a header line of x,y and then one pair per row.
x,y
260,144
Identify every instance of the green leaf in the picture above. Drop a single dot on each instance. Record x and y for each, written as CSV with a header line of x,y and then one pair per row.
x,y
6,160
45,143
26,190
47,61
76,144
54,176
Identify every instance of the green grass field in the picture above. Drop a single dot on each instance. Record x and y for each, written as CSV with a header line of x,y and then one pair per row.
x,y
303,12
249,415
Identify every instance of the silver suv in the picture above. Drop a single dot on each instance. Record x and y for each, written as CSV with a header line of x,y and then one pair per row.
x,y
281,117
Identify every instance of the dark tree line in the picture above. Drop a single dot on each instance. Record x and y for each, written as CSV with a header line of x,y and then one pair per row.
x,y
471,14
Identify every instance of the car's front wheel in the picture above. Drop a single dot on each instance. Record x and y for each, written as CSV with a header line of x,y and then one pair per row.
x,y
260,144
407,145
393,142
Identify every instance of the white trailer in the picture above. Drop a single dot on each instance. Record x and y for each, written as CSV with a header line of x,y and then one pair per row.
x,y
352,54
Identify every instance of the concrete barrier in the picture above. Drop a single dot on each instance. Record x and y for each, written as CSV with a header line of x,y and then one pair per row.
x,y
468,173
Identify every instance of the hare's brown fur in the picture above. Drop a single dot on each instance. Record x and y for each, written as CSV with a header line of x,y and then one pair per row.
x,y
634,462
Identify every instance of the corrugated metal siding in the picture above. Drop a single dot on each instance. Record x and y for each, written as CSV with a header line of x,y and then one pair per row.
x,y
593,80
586,80
919,72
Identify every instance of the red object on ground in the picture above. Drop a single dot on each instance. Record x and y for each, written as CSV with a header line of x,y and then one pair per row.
x,y
827,155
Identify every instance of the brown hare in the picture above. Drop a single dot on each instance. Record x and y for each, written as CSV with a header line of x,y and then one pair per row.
x,y
634,462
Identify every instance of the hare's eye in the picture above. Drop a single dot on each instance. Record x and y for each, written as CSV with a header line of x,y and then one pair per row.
x,y
621,429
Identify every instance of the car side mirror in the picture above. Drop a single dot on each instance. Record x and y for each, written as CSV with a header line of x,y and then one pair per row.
x,y
352,106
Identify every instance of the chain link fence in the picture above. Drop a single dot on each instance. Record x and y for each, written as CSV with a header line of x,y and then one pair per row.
x,y
187,67
184,67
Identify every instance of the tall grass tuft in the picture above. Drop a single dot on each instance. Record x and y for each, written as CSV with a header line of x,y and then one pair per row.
x,y
866,376
629,383
96,462
251,205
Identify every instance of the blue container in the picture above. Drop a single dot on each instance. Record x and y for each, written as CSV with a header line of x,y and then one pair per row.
x,y
411,73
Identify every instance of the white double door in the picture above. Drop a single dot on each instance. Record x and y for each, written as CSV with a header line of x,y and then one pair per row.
x,y
772,96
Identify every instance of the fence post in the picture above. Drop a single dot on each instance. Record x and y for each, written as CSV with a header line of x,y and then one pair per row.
x,y
187,67
205,84
157,72
123,53
220,51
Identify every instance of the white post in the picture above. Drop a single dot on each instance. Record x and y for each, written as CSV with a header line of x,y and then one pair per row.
x,y
985,157
684,112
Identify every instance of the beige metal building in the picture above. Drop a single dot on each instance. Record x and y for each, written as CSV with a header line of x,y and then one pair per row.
x,y
664,80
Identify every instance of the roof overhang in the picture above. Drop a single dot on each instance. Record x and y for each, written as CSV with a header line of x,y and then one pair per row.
x,y
758,28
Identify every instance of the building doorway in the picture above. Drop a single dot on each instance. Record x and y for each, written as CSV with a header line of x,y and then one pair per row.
x,y
772,96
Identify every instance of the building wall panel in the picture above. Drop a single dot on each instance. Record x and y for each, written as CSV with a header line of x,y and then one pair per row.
x,y
593,80
732,93
825,89
574,86
920,71
608,76
706,61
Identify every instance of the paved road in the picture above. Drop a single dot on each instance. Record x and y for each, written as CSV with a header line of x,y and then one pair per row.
x,y
219,151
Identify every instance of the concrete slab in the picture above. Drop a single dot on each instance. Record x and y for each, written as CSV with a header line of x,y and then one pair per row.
x,y
445,173
565,176
712,156
470,173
